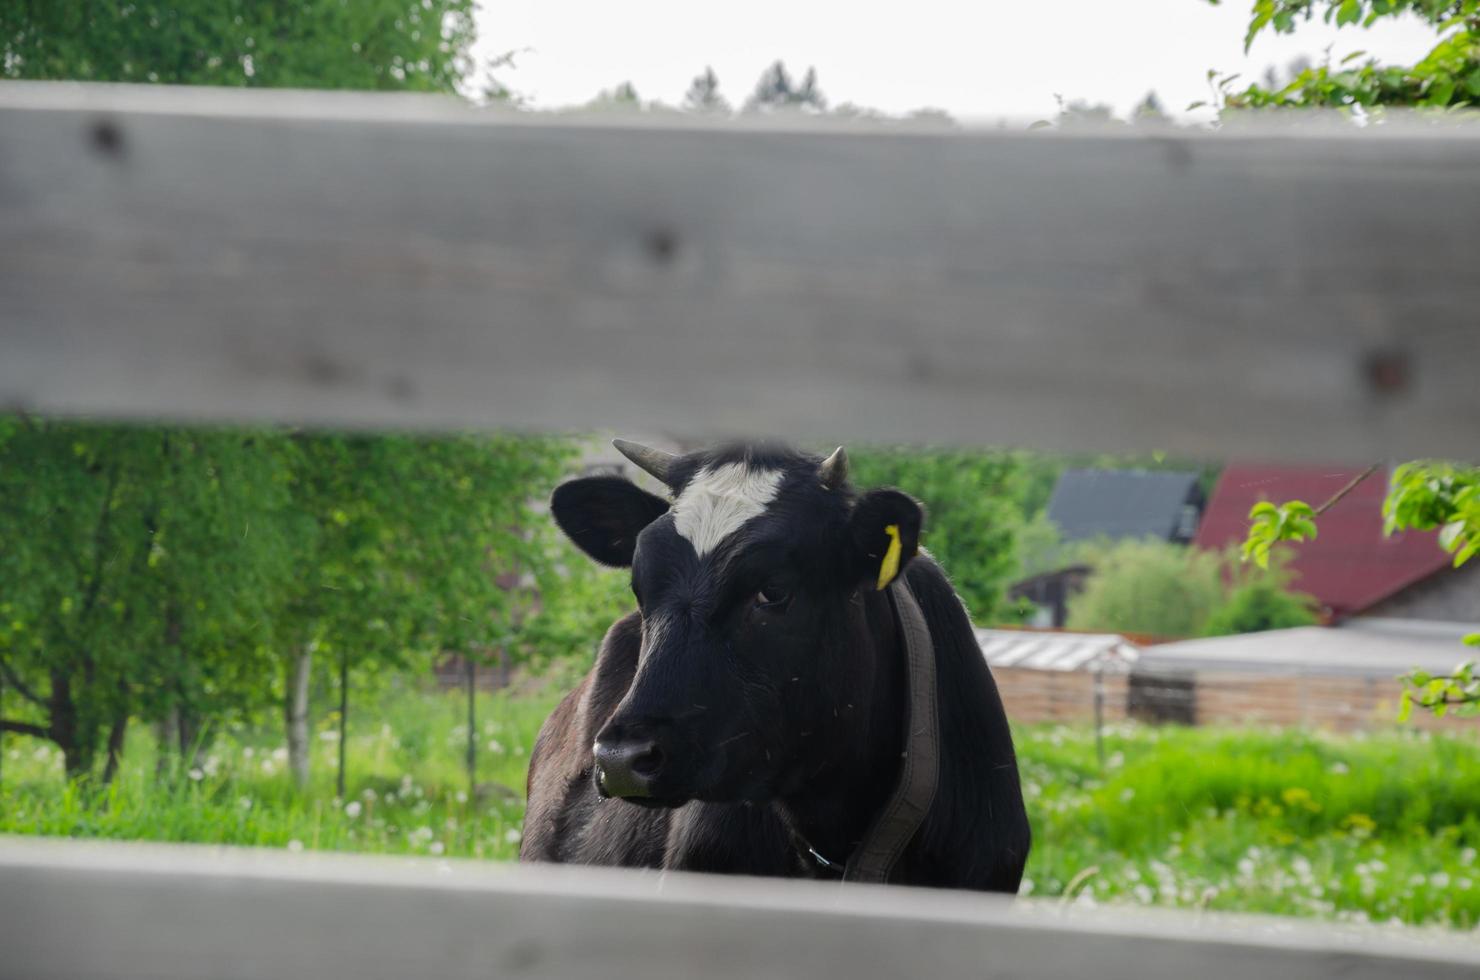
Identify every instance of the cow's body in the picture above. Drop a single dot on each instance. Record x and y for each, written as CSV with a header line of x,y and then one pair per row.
x,y
821,786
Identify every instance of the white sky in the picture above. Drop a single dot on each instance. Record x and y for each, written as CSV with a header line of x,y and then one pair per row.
x,y
980,60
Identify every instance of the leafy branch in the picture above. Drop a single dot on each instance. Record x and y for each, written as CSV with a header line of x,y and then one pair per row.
x,y
1293,520
1459,690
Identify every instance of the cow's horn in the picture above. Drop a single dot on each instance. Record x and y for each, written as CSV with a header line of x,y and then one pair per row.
x,y
654,462
834,470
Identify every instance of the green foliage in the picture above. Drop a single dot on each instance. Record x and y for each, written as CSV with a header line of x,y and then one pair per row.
x,y
1426,495
1260,601
407,790
1147,586
159,572
1376,827
974,505
1459,689
1447,77
368,44
1290,521
1153,586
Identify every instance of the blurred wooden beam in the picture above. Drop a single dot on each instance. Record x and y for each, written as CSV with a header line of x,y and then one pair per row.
x,y
378,260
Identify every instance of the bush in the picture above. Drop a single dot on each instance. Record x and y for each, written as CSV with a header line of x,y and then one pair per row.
x,y
1148,586
1260,602
1153,586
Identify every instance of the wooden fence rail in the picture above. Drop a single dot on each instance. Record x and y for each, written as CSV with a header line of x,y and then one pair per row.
x,y
394,261
86,911
402,261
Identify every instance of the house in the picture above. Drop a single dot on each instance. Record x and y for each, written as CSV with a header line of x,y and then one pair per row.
x,y
1088,504
1351,567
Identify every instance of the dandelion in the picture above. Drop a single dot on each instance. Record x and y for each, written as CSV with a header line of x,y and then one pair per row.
x,y
1439,879
280,754
495,746
248,752
295,845
1127,794
462,797
353,809
437,847
1143,894
369,795
514,835
245,803
196,774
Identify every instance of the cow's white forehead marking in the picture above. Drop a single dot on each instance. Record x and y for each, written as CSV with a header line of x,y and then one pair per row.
x,y
718,500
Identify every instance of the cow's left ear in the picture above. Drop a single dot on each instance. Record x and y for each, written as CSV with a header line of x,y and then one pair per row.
x,y
885,528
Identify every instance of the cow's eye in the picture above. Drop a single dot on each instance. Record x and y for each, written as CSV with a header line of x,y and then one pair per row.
x,y
772,596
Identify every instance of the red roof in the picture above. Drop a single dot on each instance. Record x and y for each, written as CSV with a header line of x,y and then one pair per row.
x,y
1350,565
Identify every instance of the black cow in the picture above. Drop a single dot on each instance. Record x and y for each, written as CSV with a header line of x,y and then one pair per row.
x,y
749,716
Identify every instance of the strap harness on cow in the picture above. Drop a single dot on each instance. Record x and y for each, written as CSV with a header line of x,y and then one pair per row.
x,y
876,855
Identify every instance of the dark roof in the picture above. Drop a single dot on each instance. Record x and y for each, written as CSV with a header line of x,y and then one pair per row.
x,y
1120,503
1351,564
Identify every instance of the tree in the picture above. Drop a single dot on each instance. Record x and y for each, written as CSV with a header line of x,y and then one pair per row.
x,y
369,44
1448,76
1147,586
404,547
137,570
776,90
703,95
973,513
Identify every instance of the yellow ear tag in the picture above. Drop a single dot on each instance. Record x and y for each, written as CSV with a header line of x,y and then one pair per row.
x,y
890,566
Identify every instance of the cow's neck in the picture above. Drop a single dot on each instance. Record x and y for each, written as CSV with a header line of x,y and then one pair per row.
x,y
862,757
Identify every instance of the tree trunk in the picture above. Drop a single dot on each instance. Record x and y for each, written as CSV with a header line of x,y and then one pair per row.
x,y
188,729
166,732
295,711
115,745
472,684
65,727
343,717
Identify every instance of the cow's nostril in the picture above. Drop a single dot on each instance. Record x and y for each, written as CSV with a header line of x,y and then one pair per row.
x,y
648,762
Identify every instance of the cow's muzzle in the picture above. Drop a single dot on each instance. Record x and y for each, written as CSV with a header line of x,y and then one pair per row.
x,y
628,767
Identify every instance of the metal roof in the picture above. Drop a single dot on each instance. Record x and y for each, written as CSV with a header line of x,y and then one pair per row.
x,y
1054,651
1120,503
1362,647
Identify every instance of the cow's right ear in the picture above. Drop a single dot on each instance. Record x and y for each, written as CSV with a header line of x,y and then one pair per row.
x,y
604,514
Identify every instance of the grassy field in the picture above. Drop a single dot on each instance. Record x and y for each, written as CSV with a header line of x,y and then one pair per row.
x,y
1376,828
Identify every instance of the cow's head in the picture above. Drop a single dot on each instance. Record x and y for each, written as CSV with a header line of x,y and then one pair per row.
x,y
749,582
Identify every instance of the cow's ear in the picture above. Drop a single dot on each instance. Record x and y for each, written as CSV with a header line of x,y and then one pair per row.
x,y
885,528
603,515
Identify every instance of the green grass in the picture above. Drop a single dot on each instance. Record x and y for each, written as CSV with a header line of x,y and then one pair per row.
x,y
407,788
1382,827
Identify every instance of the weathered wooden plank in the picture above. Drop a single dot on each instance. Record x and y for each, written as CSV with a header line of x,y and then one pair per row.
x,y
91,910
377,260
